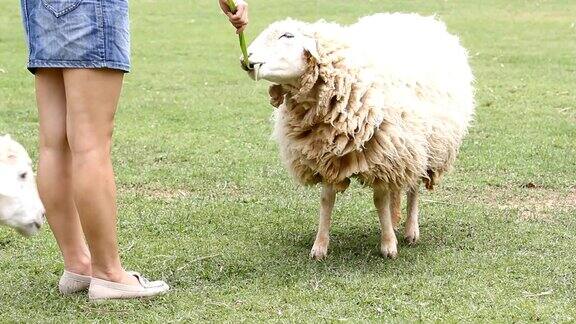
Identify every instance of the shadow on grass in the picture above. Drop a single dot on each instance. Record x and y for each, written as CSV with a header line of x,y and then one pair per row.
x,y
284,260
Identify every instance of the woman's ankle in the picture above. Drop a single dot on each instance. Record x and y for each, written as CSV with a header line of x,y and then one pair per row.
x,y
79,265
115,275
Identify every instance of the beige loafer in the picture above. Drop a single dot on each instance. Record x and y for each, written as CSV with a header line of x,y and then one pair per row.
x,y
71,283
103,290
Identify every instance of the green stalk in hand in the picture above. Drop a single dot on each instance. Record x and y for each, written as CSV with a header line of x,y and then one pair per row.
x,y
241,37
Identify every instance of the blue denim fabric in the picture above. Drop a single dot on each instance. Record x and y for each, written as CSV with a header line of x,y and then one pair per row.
x,y
77,33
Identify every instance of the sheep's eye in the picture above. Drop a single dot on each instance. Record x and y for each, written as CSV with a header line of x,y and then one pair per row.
x,y
287,35
23,175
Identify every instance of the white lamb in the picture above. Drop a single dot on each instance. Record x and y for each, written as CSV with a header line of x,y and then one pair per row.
x,y
20,205
386,100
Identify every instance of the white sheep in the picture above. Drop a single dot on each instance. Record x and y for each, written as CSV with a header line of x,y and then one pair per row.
x,y
20,205
386,100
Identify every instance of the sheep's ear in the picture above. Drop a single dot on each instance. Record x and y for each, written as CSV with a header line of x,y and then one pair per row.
x,y
311,47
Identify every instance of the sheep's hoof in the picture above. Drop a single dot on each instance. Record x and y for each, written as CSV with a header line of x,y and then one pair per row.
x,y
412,235
389,250
319,252
411,239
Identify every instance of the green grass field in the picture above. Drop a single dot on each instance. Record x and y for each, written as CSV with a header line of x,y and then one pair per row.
x,y
206,205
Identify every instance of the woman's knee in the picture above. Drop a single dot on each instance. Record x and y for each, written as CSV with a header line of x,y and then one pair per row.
x,y
91,145
54,140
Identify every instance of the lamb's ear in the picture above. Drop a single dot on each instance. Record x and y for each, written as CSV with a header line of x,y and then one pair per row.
x,y
311,47
5,140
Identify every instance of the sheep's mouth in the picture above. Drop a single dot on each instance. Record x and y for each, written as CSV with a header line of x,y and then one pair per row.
x,y
244,66
257,71
253,69
29,229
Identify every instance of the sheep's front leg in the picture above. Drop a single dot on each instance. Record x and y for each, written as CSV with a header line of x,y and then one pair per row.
x,y
412,230
320,248
388,242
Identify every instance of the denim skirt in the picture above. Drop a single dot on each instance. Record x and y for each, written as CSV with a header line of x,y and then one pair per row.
x,y
77,34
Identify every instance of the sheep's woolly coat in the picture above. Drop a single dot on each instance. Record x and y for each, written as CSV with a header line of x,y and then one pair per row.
x,y
387,100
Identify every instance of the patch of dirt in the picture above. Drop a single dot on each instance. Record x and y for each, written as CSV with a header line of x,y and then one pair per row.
x,y
532,202
569,112
158,193
542,16
227,189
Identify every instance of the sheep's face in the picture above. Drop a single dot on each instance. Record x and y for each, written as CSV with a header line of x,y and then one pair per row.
x,y
280,53
20,205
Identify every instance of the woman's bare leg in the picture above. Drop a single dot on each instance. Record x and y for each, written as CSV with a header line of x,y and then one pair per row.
x,y
55,172
92,97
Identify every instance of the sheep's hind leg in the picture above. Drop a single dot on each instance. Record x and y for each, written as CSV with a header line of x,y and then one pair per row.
x,y
396,207
412,230
388,242
320,249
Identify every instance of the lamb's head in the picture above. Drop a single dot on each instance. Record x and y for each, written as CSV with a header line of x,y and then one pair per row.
x,y
281,52
20,205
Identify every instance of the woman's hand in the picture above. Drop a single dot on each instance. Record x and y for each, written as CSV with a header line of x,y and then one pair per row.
x,y
238,19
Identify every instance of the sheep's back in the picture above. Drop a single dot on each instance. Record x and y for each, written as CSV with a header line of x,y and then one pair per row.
x,y
415,50
429,68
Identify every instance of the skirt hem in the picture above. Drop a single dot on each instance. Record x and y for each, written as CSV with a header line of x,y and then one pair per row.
x,y
35,64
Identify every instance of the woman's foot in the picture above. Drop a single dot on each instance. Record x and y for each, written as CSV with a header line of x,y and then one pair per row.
x,y
77,274
120,276
135,287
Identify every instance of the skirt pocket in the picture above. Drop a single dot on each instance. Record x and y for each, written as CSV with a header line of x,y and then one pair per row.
x,y
60,7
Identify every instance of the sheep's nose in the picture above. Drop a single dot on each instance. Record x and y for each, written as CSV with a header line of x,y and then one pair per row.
x,y
37,225
249,66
